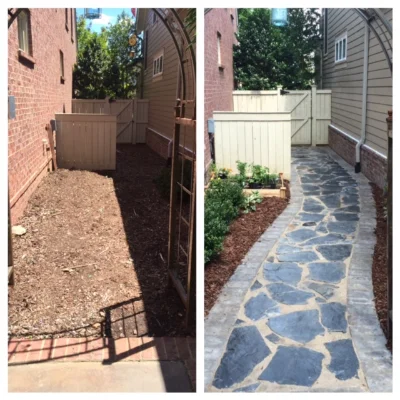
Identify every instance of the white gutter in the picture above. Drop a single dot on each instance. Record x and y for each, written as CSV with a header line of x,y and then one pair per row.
x,y
364,100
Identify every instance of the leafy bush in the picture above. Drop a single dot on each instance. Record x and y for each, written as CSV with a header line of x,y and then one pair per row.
x,y
223,200
250,202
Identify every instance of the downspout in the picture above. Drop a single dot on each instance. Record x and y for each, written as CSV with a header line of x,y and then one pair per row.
x,y
364,100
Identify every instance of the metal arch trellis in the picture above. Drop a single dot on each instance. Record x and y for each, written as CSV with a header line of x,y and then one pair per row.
x,y
182,225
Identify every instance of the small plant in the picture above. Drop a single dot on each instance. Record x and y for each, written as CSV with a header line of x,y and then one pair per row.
x,y
273,180
259,176
250,202
242,177
223,173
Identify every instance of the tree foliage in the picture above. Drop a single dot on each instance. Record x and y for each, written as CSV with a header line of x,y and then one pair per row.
x,y
107,65
267,56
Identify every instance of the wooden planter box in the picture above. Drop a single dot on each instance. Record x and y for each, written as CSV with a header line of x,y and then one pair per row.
x,y
281,192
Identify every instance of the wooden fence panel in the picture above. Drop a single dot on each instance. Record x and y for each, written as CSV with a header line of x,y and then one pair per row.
x,y
259,138
141,118
86,141
322,116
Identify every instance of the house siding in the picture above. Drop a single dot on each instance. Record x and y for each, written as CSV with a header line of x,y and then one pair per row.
x,y
163,91
39,94
218,83
346,81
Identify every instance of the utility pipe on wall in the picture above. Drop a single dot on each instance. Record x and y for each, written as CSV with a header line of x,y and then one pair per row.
x,y
364,100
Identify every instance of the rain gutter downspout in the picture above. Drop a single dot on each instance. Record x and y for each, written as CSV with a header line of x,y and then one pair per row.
x,y
364,100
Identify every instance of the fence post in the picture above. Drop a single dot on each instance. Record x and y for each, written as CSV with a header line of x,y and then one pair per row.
x,y
107,108
278,98
313,115
389,226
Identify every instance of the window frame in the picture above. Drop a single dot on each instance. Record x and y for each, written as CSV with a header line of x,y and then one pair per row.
x,y
154,19
66,20
27,28
158,60
341,43
219,50
145,48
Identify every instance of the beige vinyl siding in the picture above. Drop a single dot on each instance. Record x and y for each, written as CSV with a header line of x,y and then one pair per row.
x,y
346,79
162,91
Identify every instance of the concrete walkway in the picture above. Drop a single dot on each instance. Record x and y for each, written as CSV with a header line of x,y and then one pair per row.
x,y
146,376
293,329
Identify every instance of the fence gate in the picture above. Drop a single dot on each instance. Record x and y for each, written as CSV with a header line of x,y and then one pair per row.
x,y
310,110
131,114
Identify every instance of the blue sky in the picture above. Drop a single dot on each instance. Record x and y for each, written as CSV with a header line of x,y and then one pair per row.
x,y
108,15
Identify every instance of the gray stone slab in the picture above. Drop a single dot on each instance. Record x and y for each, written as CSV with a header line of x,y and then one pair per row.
x,y
285,248
248,389
331,200
294,366
300,235
335,252
261,306
330,238
344,362
323,289
312,205
309,224
282,272
273,338
341,216
331,272
256,285
245,349
288,294
333,317
308,217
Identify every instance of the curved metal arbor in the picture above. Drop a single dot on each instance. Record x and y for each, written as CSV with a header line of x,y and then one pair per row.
x,y
182,222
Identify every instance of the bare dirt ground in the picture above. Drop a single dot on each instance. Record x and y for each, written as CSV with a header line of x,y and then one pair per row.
x,y
243,233
379,266
93,260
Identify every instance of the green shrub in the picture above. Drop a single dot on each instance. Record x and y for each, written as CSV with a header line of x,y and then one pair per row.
x,y
223,200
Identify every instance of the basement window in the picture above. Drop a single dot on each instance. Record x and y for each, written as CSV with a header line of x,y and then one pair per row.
x,y
341,48
158,64
23,33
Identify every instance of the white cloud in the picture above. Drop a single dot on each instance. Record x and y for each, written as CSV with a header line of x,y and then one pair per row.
x,y
104,20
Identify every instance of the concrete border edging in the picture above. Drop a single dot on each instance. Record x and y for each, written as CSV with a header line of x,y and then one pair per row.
x,y
222,317
368,338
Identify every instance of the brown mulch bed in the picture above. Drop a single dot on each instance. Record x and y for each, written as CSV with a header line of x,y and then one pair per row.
x,y
243,233
379,266
93,260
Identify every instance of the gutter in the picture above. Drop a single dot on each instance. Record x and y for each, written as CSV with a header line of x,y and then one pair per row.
x,y
364,100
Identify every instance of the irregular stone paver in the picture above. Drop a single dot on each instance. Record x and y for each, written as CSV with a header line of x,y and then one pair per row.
x,y
325,215
245,349
273,338
256,285
248,389
331,272
323,289
336,252
301,235
344,363
333,317
261,306
282,272
294,366
301,326
345,227
329,238
288,294
299,256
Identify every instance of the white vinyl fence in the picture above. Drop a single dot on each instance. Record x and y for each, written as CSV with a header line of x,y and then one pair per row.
x,y
132,116
86,141
259,138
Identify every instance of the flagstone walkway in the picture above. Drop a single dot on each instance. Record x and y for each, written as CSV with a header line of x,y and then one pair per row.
x,y
292,331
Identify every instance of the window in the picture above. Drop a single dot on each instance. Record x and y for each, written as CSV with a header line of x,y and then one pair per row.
x,y
72,24
62,78
325,30
341,48
24,33
158,64
219,49
66,19
155,18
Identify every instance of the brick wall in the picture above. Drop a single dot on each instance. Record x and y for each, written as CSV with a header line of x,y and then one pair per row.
x,y
39,94
218,82
373,166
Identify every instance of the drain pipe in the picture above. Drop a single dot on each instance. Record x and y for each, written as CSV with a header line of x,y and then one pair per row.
x,y
364,101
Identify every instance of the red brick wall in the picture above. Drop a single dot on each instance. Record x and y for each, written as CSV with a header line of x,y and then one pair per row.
x,y
218,83
39,94
373,166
